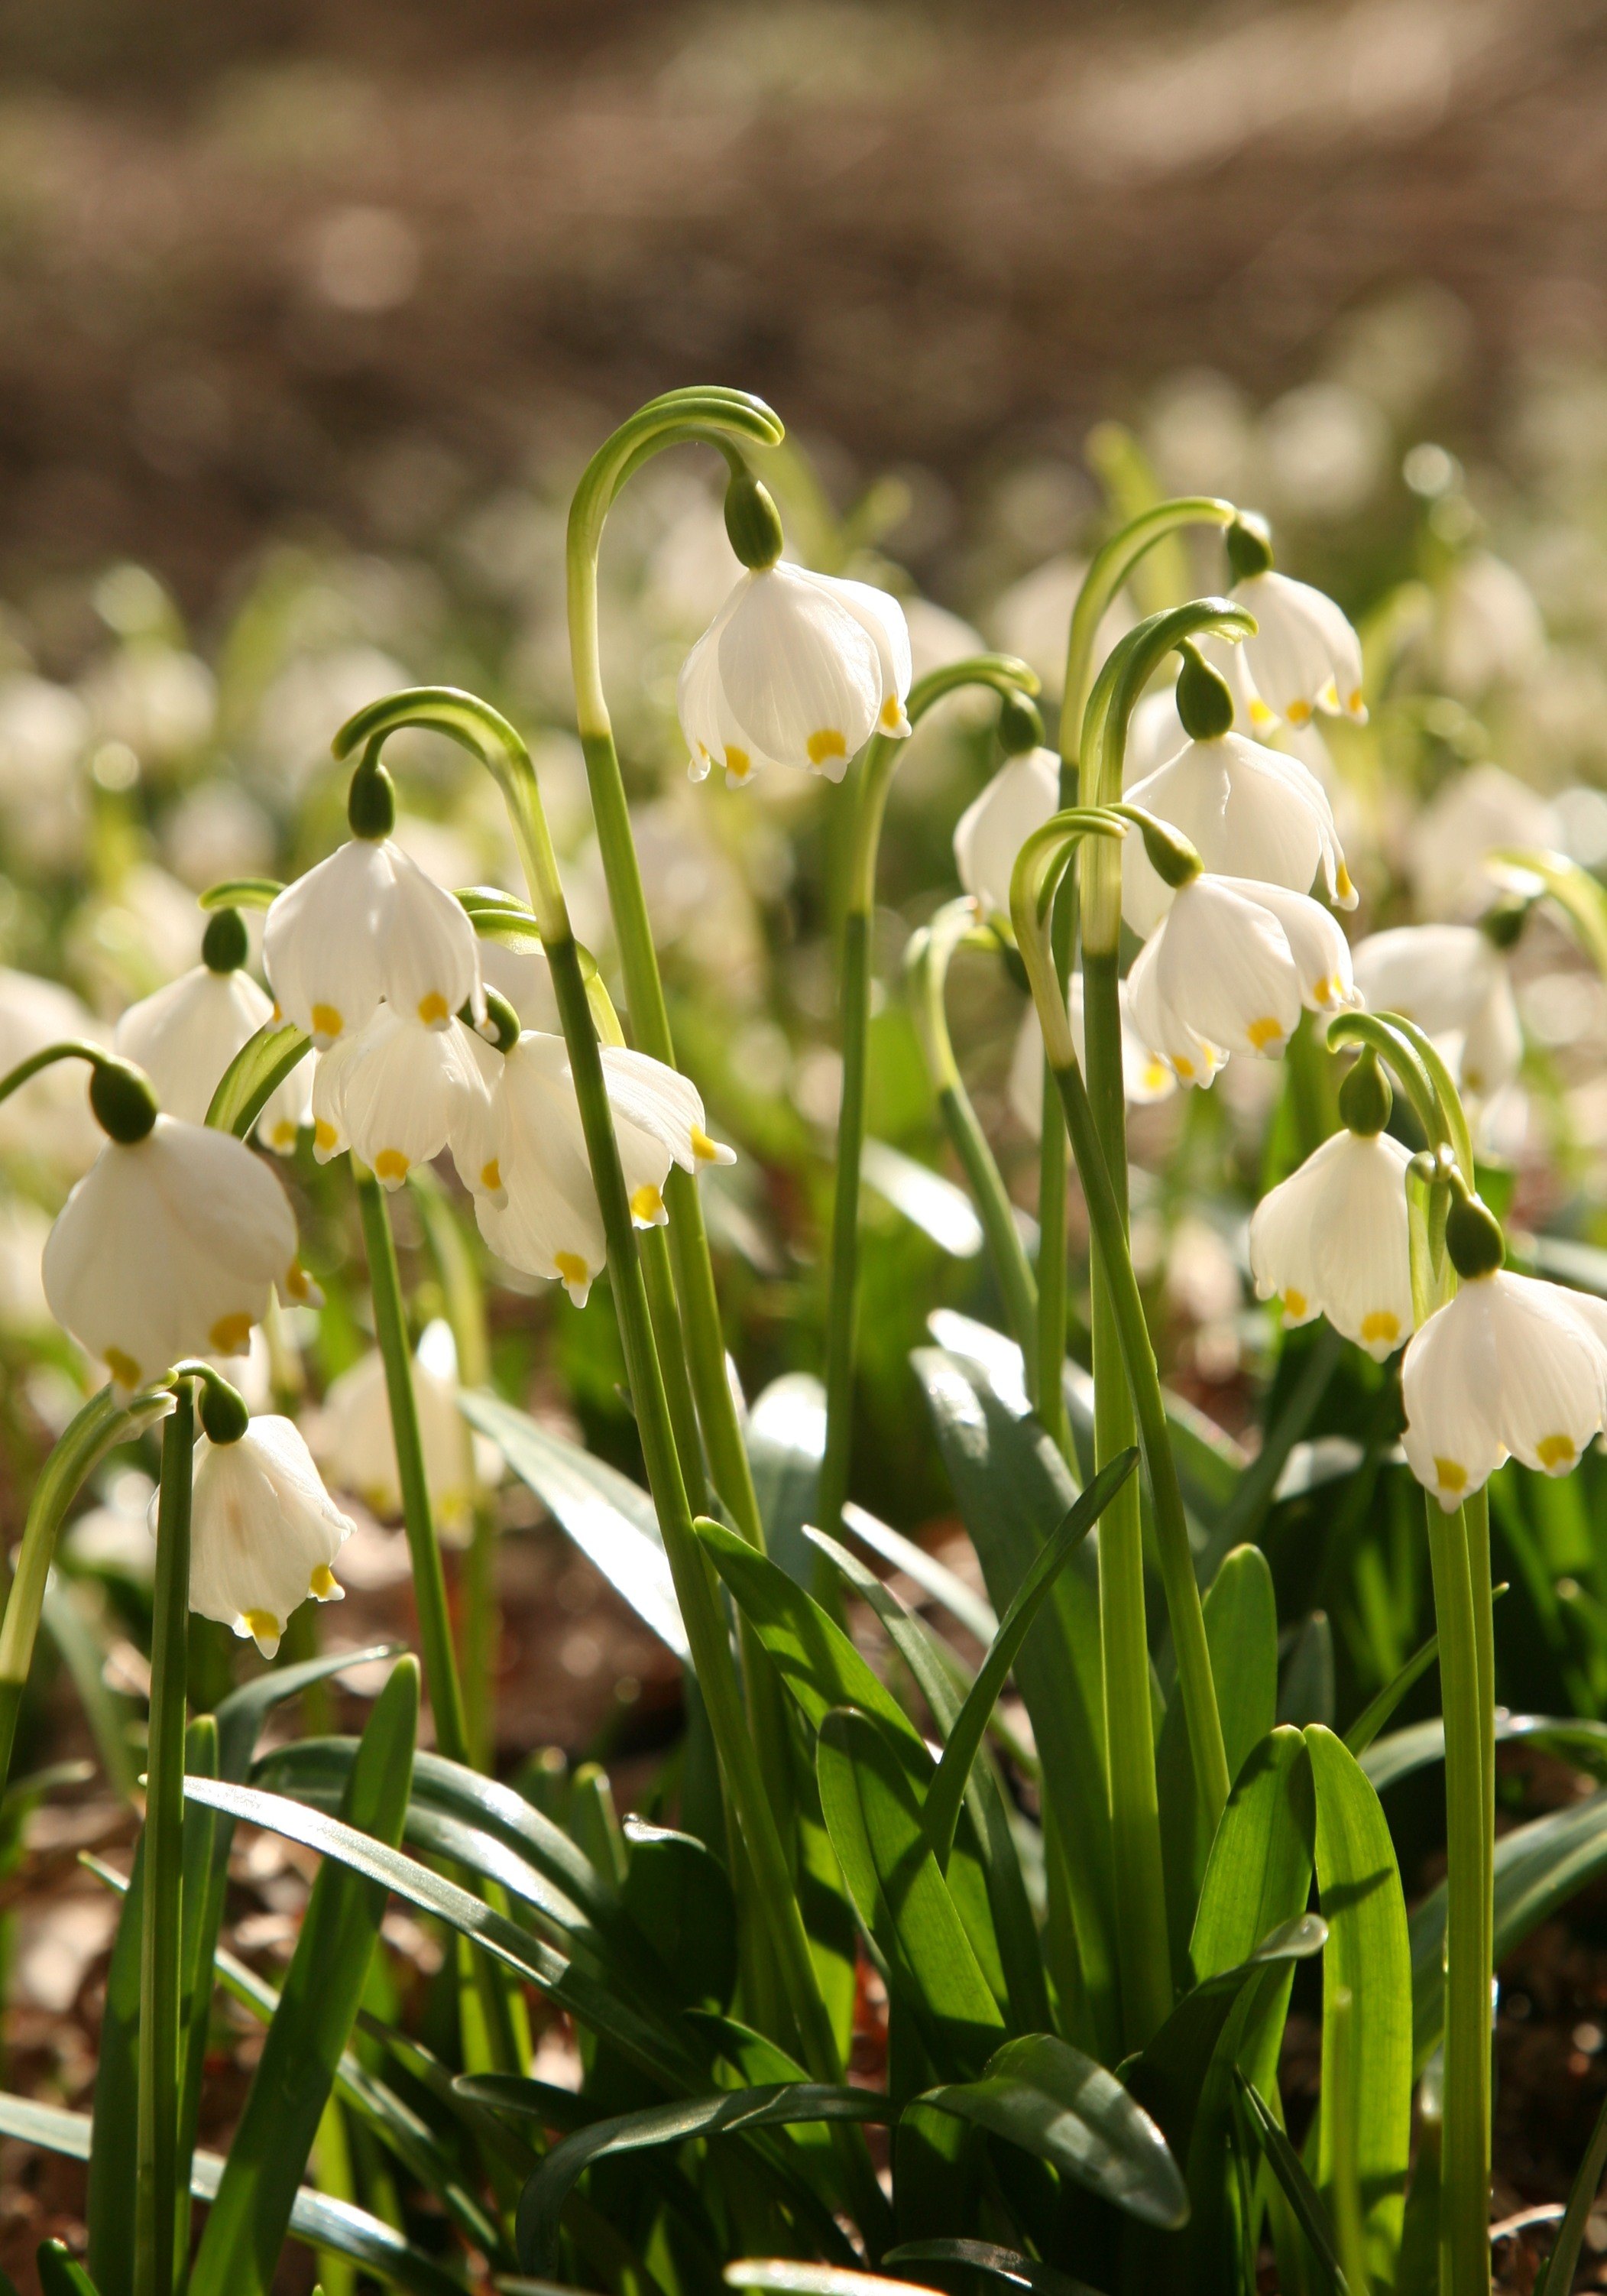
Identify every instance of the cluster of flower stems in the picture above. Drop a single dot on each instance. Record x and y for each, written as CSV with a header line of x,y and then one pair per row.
x,y
1065,899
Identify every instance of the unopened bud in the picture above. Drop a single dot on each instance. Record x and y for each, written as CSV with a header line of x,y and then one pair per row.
x,y
1205,702
752,522
223,946
1021,728
1249,546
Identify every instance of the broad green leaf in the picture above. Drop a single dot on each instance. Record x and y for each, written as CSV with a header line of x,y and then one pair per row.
x,y
1538,1867
1168,2074
1241,1629
653,2045
1367,1956
813,1656
1258,1875
874,1816
1014,1492
319,2222
1307,1692
947,1788
255,1075
245,2231
1583,1744
610,1519
726,2112
1371,1720
1013,1928
1298,2190
986,2256
680,1898
786,1442
928,1202
934,1579
1048,2097
241,1714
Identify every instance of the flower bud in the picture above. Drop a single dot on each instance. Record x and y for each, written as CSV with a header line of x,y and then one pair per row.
x,y
752,522
223,947
1472,1232
224,1414
1171,856
1364,1097
1021,725
1249,546
124,1104
371,801
1205,701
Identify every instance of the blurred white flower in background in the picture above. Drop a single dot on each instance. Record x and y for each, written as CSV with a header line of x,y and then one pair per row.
x,y
1489,629
1454,983
1032,617
24,1228
1327,449
158,703
1144,1076
1021,798
352,1437
216,831
48,1120
308,698
44,732
1472,815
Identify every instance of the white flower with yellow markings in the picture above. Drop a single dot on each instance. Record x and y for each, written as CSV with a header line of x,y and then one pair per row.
x,y
396,1092
796,669
1304,655
368,924
1331,1240
264,1533
1022,796
169,1246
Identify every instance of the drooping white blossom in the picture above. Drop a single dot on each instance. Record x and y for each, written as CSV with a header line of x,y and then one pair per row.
x,y
1304,655
395,1091
1023,795
356,1442
1145,1077
169,1247
1454,983
264,1531
1331,1240
368,924
1511,1365
796,669
186,1035
1245,808
1228,969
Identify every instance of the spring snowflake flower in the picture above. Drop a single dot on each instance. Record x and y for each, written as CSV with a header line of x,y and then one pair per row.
x,y
1228,969
1242,806
1470,819
169,1246
1305,656
796,669
186,1035
524,1158
1022,796
1510,1366
1453,981
1331,1240
368,924
264,1531
396,1091
48,1117
356,1444
1145,1077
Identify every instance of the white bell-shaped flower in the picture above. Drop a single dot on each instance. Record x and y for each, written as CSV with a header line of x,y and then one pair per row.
x,y
1511,1365
1304,656
47,1119
1228,969
796,669
264,1531
1470,818
356,1442
1022,796
1331,1240
1453,982
1490,629
1145,1077
1245,808
534,1196
368,924
395,1092
169,1247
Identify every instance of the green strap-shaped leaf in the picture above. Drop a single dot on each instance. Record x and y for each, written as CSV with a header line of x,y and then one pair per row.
x,y
813,1656
241,1714
1378,1709
937,1671
1582,1743
786,1442
947,1788
610,1519
1538,1867
60,2274
1048,2097
726,2112
254,1074
928,1202
1004,2264
319,2222
874,1816
680,1897
1299,2190
1241,1629
785,2274
245,2231
1367,1956
945,1587
651,2045
1014,1492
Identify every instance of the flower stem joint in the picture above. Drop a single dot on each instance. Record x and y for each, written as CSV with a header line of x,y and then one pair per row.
x,y
371,801
223,947
752,522
1205,702
1472,1232
1248,547
1021,725
122,1101
224,1416
1364,1097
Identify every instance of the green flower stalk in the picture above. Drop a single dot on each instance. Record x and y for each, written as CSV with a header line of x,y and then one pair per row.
x,y
1004,676
1109,570
729,421
489,737
1145,1968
